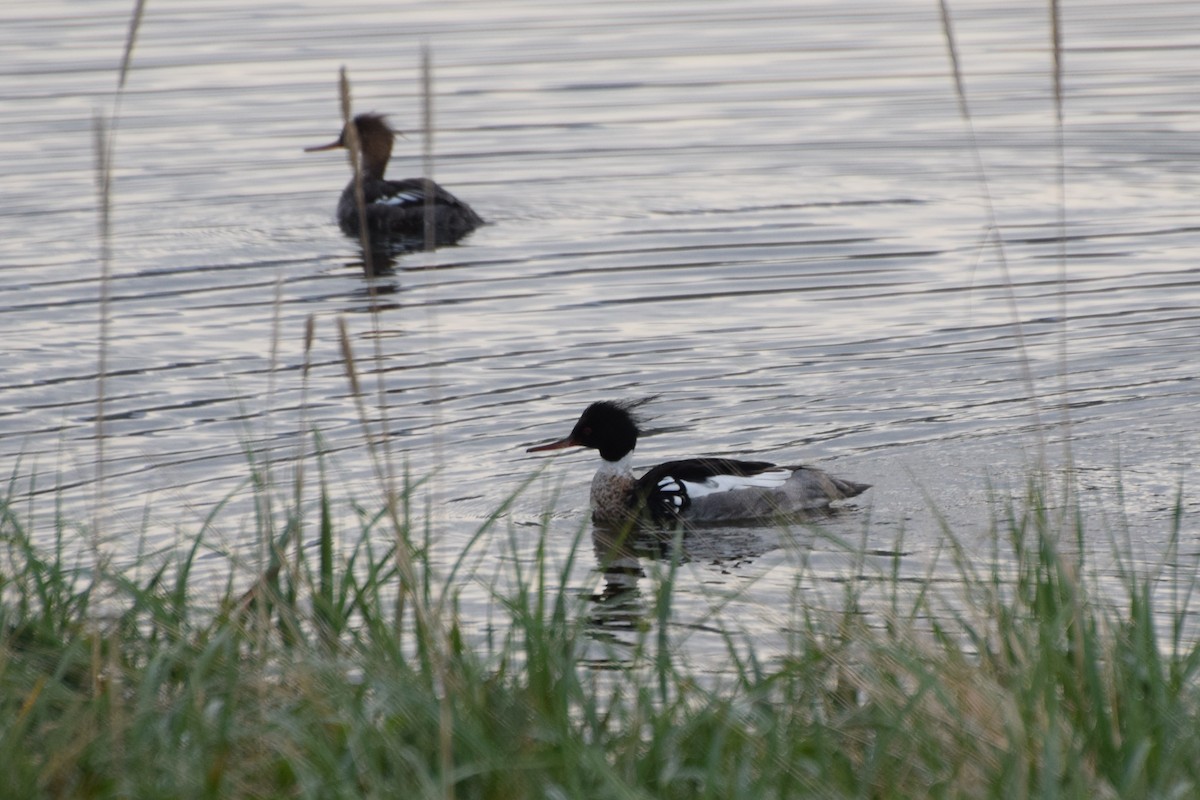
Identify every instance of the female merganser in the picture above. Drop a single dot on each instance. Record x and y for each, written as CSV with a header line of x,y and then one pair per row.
x,y
396,209
692,490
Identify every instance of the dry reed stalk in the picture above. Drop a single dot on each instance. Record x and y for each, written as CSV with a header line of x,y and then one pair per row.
x,y
429,232
386,474
104,676
379,445
994,228
353,154
430,257
1061,223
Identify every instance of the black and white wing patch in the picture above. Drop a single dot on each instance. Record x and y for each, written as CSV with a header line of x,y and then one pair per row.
x,y
404,198
397,194
668,500
665,493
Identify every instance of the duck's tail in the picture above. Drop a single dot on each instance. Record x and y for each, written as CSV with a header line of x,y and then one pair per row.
x,y
814,487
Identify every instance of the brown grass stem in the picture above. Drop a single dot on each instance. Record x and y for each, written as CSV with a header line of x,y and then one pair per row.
x,y
135,24
429,228
1056,46
429,246
360,201
103,153
298,486
353,155
429,251
103,668
428,622
994,227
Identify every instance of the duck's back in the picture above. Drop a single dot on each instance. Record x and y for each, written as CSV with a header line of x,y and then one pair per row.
x,y
720,489
396,210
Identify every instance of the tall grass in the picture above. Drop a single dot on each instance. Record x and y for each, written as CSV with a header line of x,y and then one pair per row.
x,y
329,671
1015,683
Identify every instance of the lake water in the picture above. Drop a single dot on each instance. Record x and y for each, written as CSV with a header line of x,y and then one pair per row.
x,y
767,214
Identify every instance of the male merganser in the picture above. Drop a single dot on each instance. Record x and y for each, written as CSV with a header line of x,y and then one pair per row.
x,y
695,489
395,209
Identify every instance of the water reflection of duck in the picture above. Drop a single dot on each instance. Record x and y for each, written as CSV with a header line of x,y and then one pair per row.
x,y
696,489
396,209
621,610
619,605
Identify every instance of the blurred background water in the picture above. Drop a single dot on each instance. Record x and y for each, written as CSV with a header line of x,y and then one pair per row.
x,y
767,214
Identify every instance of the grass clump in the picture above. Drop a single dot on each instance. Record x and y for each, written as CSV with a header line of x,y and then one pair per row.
x,y
324,680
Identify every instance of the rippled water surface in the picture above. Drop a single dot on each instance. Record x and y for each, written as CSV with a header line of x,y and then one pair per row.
x,y
767,214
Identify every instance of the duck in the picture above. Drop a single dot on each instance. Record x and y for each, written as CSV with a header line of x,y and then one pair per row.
x,y
695,489
395,209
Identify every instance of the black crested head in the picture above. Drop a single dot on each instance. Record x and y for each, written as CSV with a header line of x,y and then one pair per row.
x,y
372,123
609,427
